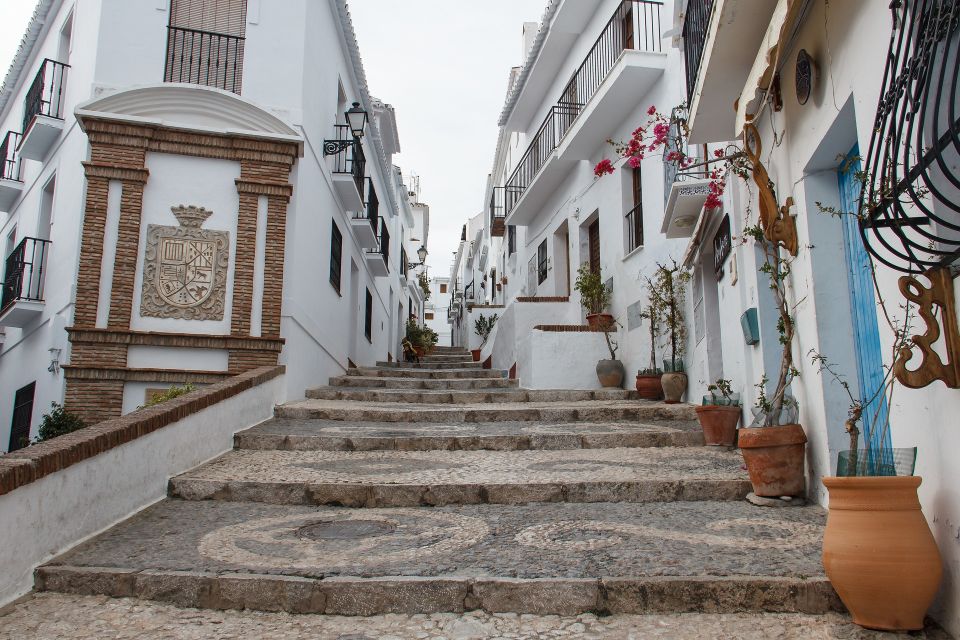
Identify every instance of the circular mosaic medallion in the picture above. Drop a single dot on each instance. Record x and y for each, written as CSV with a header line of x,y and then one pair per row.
x,y
345,529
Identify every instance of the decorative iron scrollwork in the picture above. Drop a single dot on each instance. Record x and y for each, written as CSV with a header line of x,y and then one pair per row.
x,y
333,147
778,225
911,203
933,301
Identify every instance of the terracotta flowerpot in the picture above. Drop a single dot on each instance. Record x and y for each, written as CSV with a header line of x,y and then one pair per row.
x,y
674,385
610,373
774,458
476,354
599,321
878,551
719,424
649,387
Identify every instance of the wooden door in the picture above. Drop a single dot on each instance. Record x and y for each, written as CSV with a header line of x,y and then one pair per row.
x,y
22,413
593,233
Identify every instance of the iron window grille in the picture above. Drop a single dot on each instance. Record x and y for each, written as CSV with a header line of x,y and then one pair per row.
x,y
9,159
24,275
542,262
336,255
696,26
368,316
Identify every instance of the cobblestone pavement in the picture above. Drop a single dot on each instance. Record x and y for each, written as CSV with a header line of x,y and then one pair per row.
x,y
470,467
55,617
528,541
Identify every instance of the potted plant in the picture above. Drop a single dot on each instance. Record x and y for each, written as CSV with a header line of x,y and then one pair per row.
x,y
594,296
719,414
610,372
668,289
423,337
483,326
648,380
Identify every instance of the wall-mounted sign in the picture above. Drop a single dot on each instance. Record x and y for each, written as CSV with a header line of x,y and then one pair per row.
x,y
721,246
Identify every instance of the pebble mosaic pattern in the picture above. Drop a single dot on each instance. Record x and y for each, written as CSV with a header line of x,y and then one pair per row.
x,y
54,617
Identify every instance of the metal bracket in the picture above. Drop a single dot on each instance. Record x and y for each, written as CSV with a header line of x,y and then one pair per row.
x,y
334,147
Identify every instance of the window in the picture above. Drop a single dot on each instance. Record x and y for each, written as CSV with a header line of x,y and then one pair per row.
x,y
634,217
443,288
511,239
368,317
22,414
336,255
593,235
542,262
428,315
205,40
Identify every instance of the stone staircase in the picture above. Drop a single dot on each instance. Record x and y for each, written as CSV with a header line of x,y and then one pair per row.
x,y
444,487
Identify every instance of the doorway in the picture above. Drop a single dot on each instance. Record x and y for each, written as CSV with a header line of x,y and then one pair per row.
x,y
561,260
22,415
593,245
354,315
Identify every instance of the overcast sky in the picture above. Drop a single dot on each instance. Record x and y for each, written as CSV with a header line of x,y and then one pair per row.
x,y
443,64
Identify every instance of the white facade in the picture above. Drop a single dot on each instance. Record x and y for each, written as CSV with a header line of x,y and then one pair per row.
x,y
300,71
437,308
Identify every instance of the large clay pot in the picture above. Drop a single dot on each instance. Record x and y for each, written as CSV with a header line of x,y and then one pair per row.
x,y
611,373
774,458
719,424
878,551
649,387
476,354
599,321
674,385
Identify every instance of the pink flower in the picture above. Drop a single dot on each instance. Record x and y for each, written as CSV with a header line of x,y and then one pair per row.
x,y
603,167
713,201
661,129
634,162
652,110
718,153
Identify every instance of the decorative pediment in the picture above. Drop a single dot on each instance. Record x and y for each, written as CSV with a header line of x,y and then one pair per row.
x,y
189,107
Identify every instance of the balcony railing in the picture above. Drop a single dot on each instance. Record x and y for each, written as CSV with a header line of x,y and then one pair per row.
x,y
383,247
677,143
23,278
634,224
498,211
9,161
45,96
372,209
696,24
468,292
634,26
351,161
403,262
204,57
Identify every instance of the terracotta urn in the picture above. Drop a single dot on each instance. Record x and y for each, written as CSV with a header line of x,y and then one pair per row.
x,y
774,457
719,424
610,373
649,387
674,385
599,321
878,551
476,354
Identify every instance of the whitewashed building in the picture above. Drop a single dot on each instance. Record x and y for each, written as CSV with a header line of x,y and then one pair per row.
x,y
183,199
437,308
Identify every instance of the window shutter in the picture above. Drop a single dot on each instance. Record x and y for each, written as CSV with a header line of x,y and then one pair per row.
x,y
228,17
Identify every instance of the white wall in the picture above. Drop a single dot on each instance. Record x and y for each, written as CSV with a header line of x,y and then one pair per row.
x,y
45,518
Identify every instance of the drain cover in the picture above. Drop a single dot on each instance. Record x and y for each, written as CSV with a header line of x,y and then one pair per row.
x,y
345,529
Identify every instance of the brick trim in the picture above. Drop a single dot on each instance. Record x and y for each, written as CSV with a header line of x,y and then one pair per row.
x,y
115,172
260,188
87,335
570,328
32,463
543,299
128,374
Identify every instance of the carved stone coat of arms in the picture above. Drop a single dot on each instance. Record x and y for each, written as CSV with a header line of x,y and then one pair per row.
x,y
185,268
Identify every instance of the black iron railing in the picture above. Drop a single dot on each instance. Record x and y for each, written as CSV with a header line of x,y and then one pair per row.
x,y
469,292
23,277
204,57
45,96
912,195
696,24
351,160
371,211
634,224
403,262
383,243
511,239
634,26
9,160
498,211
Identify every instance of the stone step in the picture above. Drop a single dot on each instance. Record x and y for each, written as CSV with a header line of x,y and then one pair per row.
x,y
436,374
546,559
422,383
466,357
438,349
439,478
513,395
430,365
551,412
331,435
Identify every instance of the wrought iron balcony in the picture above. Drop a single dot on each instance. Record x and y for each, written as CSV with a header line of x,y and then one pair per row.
x,y
634,26
11,186
378,259
696,25
204,57
685,190
23,281
634,225
498,212
349,167
43,110
404,265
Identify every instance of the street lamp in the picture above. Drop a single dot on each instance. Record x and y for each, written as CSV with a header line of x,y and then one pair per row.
x,y
357,120
422,254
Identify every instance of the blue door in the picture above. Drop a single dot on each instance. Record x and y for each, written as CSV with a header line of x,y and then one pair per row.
x,y
863,309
